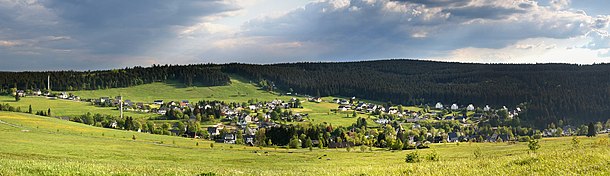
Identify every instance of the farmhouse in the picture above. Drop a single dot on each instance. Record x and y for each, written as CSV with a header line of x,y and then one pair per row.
x,y
438,105
229,138
158,102
454,107
470,107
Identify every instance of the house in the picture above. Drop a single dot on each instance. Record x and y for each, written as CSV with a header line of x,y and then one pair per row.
x,y
128,103
486,108
161,111
248,119
184,103
215,130
454,107
37,92
207,107
104,99
382,121
393,110
20,93
452,137
63,95
158,102
229,138
343,108
315,99
438,105
172,103
344,102
114,124
470,107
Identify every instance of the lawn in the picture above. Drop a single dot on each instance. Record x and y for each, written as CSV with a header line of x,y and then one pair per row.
x,y
33,145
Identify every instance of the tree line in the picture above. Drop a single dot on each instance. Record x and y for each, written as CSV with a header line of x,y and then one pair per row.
x,y
573,93
188,75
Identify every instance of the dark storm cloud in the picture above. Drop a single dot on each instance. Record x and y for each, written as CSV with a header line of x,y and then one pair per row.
x,y
69,32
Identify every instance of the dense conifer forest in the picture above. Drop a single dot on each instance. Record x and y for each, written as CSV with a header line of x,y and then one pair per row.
x,y
203,74
550,92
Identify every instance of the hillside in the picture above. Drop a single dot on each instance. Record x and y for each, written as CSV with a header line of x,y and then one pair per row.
x,y
550,93
33,145
240,90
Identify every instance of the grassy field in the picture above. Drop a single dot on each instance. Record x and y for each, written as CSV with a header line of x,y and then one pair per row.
x,y
65,108
33,145
238,91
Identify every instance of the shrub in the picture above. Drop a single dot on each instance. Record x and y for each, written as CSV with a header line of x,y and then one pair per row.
x,y
537,136
133,137
533,145
212,145
412,157
524,138
294,142
575,142
433,156
478,153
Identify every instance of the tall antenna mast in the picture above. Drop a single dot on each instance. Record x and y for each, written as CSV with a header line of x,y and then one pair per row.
x,y
49,83
121,105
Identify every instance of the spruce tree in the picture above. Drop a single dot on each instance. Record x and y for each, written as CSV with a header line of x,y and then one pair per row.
x,y
592,131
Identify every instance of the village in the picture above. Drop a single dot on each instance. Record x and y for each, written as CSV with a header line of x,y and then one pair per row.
x,y
238,122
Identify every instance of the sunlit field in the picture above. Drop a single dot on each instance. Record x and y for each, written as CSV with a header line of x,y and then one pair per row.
x,y
33,145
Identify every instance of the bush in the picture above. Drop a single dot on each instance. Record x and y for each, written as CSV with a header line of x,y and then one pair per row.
x,y
575,142
294,142
412,157
533,145
433,156
478,153
524,138
537,136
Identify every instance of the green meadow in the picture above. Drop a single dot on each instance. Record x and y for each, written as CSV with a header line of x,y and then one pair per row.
x,y
65,108
239,90
34,145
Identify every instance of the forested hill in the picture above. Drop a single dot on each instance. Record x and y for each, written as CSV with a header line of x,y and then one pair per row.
x,y
552,92
572,93
203,74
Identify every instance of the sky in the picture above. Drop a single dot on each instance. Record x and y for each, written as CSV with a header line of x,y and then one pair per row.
x,y
93,34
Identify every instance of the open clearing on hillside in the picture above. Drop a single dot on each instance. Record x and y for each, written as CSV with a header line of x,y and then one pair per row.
x,y
238,91
33,145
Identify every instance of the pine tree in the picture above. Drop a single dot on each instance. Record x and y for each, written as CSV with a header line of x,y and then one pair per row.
x,y
592,131
49,112
30,109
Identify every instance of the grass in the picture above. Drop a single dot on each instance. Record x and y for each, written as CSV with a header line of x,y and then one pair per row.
x,y
33,145
239,90
65,108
